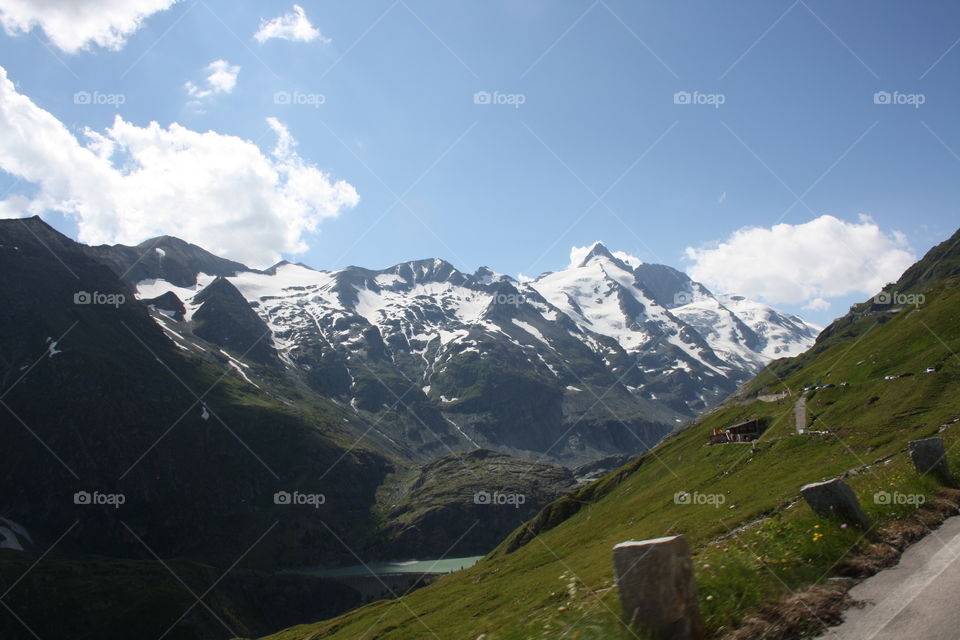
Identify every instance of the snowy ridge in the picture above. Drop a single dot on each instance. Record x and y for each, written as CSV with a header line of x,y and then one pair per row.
x,y
417,326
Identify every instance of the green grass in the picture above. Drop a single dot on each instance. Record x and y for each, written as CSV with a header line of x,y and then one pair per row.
x,y
558,582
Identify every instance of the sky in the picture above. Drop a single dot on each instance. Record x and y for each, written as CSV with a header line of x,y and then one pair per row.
x,y
803,153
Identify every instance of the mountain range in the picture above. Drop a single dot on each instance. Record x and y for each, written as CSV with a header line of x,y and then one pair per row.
x,y
598,359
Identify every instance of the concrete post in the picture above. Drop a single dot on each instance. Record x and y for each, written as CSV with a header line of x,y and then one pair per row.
x,y
835,499
658,595
930,456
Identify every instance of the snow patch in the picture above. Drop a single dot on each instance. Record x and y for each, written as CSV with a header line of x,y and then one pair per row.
x,y
532,330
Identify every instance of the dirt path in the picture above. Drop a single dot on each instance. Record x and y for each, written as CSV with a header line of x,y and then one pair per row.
x,y
800,413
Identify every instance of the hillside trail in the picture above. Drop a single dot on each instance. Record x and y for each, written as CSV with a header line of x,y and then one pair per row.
x,y
800,413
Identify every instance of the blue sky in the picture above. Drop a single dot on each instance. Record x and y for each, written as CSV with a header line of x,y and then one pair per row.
x,y
598,148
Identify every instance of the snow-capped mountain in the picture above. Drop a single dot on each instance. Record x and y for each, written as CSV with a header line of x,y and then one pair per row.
x,y
689,347
600,358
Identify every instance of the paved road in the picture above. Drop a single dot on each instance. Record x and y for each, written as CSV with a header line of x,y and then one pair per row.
x,y
916,599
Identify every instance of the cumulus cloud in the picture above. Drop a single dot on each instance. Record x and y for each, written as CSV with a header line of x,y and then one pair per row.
x,y
221,78
128,183
803,264
72,25
294,26
577,254
628,259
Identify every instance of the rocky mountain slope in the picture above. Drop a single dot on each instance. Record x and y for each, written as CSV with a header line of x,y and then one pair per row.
x,y
427,507
98,402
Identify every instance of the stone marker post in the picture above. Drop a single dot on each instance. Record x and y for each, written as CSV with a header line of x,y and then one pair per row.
x,y
930,456
658,595
835,499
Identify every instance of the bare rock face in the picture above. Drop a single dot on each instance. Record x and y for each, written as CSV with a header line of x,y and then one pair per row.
x,y
930,456
466,503
835,499
658,594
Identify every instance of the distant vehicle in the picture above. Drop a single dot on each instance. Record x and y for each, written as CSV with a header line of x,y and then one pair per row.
x,y
828,386
930,370
808,388
844,384
906,375
890,377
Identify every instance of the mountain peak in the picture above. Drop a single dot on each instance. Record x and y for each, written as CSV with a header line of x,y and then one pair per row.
x,y
164,257
582,256
596,250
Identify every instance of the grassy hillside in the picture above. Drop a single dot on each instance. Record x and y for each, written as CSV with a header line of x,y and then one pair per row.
x,y
553,577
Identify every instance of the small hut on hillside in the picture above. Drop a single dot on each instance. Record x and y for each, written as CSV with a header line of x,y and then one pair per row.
x,y
744,432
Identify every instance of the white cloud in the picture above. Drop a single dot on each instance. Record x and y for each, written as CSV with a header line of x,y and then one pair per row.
x,y
290,26
628,259
806,263
818,304
221,78
577,254
129,183
72,25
